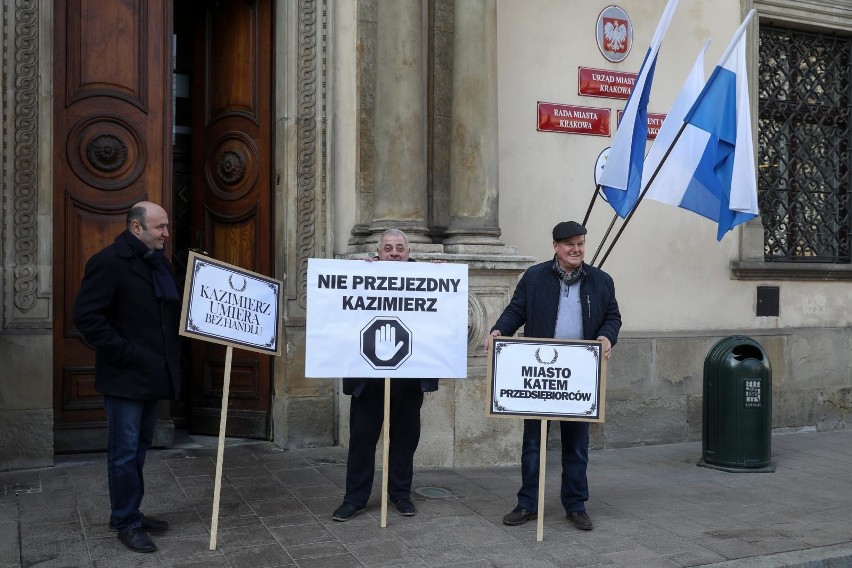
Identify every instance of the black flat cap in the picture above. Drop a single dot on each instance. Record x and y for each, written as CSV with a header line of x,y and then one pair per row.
x,y
567,229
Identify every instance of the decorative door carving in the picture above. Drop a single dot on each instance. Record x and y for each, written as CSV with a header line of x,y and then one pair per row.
x,y
112,86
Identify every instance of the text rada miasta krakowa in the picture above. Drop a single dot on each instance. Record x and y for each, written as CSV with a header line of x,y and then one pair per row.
x,y
397,301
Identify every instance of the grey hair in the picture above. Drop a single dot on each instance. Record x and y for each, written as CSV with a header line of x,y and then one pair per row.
x,y
395,233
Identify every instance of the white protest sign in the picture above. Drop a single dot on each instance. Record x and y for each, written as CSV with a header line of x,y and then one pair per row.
x,y
229,305
547,379
386,319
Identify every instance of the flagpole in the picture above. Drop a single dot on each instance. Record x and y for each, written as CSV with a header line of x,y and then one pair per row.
x,y
641,195
605,237
591,204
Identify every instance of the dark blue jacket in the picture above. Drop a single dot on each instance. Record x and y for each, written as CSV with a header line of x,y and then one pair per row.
x,y
536,302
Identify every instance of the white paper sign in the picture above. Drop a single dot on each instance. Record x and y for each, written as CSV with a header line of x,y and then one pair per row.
x,y
386,319
549,379
223,303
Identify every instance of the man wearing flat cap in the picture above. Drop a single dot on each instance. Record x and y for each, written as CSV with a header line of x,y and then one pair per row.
x,y
563,298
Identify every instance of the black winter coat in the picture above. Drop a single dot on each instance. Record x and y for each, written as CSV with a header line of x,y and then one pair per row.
x,y
536,301
134,334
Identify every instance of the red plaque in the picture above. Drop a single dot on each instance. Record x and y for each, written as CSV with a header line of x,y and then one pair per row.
x,y
605,83
553,117
655,121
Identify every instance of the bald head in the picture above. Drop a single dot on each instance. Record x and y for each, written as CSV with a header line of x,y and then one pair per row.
x,y
149,223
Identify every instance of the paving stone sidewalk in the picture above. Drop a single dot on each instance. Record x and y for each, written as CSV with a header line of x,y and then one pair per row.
x,y
651,506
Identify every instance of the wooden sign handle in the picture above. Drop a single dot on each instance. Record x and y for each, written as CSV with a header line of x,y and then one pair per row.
x,y
223,420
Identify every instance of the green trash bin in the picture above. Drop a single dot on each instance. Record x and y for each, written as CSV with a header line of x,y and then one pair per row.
x,y
737,418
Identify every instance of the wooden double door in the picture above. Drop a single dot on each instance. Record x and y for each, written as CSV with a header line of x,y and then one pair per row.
x,y
168,101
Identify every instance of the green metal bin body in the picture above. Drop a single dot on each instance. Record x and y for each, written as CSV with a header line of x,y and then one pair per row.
x,y
737,405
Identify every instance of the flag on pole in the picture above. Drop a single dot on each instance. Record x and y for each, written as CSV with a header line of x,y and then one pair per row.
x,y
622,176
722,185
674,173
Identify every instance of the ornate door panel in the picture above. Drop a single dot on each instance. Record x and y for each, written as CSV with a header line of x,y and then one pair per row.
x,y
231,207
112,89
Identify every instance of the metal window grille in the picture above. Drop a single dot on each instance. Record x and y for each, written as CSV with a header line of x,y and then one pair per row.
x,y
803,145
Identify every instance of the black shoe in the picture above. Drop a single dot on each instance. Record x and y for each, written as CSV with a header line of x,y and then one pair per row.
x,y
519,516
346,512
149,524
136,540
580,520
405,508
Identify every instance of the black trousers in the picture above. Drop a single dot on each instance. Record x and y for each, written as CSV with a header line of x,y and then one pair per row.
x,y
366,416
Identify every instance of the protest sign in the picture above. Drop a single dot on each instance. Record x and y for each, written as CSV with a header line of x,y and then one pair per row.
x,y
226,304
547,379
386,319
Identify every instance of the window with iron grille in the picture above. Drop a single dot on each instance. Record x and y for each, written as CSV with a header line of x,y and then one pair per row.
x,y
803,145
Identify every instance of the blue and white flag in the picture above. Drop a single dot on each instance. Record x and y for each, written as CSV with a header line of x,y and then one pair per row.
x,y
723,183
622,176
676,169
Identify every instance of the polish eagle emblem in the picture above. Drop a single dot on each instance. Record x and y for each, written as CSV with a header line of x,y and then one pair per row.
x,y
615,34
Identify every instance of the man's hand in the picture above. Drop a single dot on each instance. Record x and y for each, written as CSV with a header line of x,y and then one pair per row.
x,y
386,345
495,333
607,346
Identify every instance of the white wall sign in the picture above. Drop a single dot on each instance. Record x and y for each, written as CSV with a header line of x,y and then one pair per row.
x,y
226,304
386,319
547,379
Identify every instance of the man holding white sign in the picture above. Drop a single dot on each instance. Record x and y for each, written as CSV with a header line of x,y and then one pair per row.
x,y
563,298
386,342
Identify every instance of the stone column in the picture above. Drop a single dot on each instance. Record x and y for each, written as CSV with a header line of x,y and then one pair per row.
x,y
399,192
474,224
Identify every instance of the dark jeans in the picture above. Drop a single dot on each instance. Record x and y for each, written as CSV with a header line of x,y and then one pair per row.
x,y
366,416
575,458
131,431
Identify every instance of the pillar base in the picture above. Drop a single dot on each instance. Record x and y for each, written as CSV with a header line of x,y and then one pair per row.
x,y
414,230
480,249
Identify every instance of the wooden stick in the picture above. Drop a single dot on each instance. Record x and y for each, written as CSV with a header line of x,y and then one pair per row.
x,y
385,451
542,463
223,420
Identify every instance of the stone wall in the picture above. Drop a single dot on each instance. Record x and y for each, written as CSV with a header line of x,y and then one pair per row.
x,y
654,396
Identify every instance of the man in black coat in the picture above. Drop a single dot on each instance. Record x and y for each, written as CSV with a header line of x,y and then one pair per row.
x,y
128,310
366,415
563,298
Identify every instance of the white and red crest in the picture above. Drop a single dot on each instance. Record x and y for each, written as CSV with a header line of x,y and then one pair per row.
x,y
614,33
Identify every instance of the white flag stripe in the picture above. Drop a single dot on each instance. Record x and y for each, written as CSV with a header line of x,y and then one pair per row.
x,y
617,170
744,195
729,58
671,181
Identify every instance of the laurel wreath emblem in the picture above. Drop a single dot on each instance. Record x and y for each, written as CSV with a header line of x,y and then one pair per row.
x,y
552,361
231,283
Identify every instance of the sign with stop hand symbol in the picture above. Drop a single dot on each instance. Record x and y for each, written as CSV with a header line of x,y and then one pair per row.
x,y
385,343
363,317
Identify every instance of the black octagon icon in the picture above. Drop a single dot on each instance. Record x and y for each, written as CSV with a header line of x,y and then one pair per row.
x,y
385,343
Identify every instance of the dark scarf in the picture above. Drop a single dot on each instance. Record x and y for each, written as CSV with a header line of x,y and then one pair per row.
x,y
564,275
164,283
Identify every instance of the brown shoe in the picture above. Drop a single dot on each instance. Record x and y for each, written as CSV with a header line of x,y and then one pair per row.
x,y
519,516
580,520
